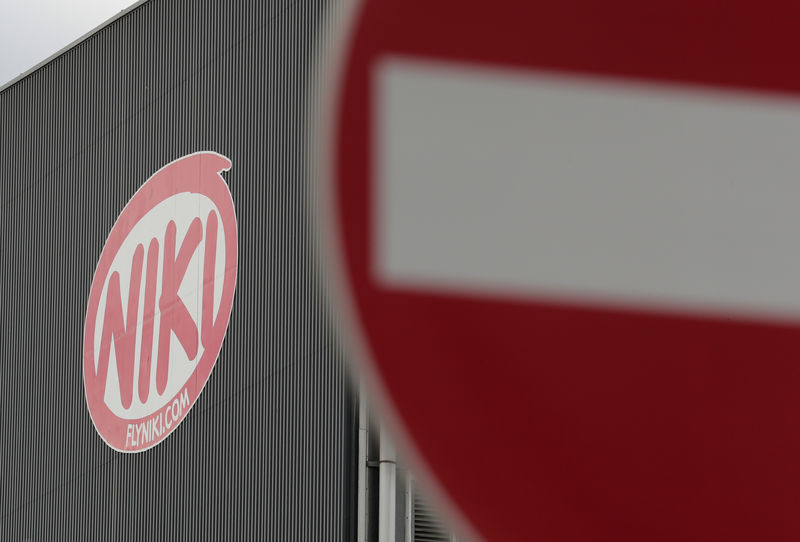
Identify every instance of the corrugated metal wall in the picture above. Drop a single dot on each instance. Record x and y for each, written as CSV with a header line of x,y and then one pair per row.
x,y
268,450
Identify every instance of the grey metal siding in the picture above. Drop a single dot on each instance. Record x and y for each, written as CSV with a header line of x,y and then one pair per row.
x,y
268,451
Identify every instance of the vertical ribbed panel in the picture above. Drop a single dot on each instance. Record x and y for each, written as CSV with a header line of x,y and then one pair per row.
x,y
268,450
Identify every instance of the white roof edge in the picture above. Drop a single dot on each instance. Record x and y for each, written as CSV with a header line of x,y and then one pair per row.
x,y
74,43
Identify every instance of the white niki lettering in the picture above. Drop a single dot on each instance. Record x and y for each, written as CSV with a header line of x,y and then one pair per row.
x,y
152,428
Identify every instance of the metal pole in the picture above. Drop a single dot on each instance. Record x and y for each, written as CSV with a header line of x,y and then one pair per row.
x,y
363,440
388,489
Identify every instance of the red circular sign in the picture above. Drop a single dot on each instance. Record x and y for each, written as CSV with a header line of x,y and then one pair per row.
x,y
544,416
160,302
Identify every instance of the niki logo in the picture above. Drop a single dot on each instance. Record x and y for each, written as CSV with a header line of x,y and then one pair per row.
x,y
160,302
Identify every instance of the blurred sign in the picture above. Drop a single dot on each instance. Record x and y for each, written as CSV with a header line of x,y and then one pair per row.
x,y
567,238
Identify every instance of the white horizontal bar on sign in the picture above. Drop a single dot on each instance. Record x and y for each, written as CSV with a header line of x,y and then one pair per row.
x,y
525,183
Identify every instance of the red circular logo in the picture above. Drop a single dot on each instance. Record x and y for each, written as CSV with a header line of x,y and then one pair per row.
x,y
160,302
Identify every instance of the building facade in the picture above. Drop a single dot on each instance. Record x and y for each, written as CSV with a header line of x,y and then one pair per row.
x,y
270,449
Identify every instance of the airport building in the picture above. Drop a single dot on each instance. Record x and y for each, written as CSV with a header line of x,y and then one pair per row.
x,y
102,440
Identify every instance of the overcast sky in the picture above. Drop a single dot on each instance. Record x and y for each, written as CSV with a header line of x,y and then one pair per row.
x,y
32,30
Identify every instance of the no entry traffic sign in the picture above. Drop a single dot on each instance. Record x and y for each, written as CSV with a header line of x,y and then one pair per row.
x,y
567,235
